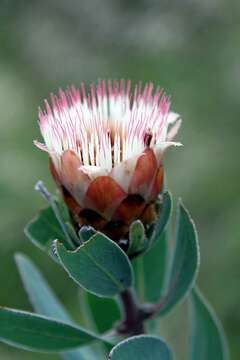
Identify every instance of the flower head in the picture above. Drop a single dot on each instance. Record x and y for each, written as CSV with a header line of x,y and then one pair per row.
x,y
106,151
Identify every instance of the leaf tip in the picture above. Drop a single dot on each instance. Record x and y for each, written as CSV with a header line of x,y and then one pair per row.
x,y
19,257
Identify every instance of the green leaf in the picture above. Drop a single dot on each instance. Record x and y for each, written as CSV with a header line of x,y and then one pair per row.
x,y
207,340
99,266
38,333
40,294
165,212
85,353
57,210
142,347
185,262
136,237
86,232
45,302
43,229
150,270
104,312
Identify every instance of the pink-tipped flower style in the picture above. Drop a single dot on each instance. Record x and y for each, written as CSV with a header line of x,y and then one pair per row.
x,y
106,151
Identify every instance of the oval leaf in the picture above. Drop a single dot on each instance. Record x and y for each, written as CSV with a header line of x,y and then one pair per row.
x,y
41,296
86,232
150,287
104,312
43,229
150,269
185,262
136,237
37,333
99,266
85,353
45,302
141,347
207,336
165,212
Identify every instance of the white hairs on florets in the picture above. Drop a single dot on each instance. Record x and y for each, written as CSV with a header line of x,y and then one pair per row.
x,y
108,125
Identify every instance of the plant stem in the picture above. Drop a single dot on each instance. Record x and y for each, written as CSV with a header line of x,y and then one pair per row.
x,y
132,315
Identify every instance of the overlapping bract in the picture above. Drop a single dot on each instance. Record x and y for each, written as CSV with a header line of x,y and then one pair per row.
x,y
106,151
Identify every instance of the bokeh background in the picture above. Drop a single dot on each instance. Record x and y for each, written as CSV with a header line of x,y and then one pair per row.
x,y
189,47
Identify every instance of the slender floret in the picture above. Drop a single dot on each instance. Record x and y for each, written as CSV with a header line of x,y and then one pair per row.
x,y
106,148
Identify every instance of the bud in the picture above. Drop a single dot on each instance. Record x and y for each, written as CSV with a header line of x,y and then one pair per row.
x,y
106,152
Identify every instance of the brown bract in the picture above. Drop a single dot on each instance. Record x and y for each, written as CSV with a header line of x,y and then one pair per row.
x,y
103,202
106,146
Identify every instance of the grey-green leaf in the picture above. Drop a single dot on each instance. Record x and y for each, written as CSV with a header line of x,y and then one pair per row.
x,y
45,302
99,266
136,237
40,294
142,347
207,339
84,353
165,212
150,270
185,262
38,333
150,287
86,232
43,229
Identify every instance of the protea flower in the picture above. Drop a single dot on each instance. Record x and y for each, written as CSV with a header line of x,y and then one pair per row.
x,y
106,152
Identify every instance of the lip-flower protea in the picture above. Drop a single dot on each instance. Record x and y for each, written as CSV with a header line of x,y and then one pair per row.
x,y
106,152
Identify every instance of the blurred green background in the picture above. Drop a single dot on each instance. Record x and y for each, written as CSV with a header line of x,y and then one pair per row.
x,y
191,48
